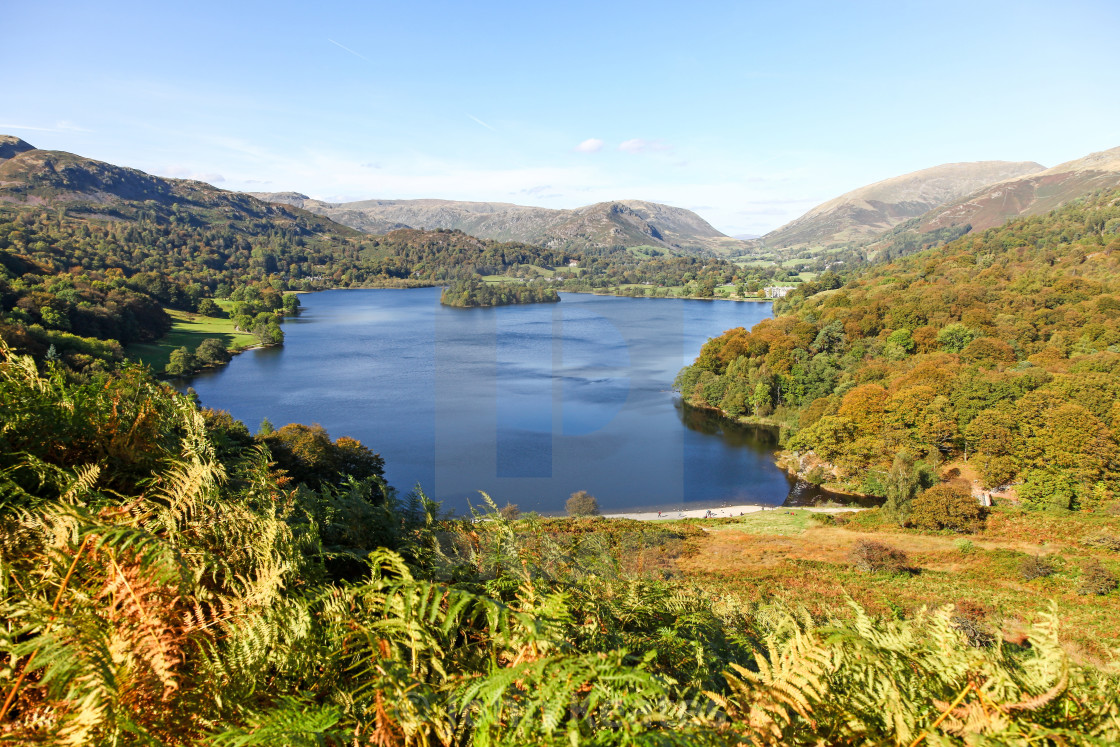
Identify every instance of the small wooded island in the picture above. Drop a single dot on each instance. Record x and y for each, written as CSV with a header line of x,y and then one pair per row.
x,y
474,292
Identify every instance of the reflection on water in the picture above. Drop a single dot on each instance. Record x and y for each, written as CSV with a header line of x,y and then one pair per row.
x,y
763,441
528,403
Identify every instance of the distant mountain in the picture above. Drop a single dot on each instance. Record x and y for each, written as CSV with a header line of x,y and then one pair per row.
x,y
627,223
30,177
869,211
994,205
1033,194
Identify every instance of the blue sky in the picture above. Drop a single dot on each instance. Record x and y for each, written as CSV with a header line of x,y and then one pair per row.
x,y
749,113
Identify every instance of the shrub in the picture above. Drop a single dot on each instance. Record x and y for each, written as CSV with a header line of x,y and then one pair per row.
x,y
964,546
1035,567
510,512
968,618
871,557
949,505
1096,580
1103,541
816,476
582,503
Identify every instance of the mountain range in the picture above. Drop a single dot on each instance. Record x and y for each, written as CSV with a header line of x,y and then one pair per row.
x,y
887,218
626,223
873,209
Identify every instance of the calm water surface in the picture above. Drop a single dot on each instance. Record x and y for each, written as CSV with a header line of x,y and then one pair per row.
x,y
528,403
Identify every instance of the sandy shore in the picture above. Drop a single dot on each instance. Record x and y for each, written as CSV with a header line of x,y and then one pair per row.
x,y
724,513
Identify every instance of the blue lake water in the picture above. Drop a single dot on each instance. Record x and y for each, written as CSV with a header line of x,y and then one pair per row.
x,y
528,403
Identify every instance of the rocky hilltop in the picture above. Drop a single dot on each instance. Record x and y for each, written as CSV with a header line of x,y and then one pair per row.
x,y
871,210
627,223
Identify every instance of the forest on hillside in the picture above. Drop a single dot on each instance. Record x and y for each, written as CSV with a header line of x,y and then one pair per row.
x,y
1003,347
88,287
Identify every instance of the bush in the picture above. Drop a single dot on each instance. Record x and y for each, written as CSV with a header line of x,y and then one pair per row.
x,y
816,476
964,546
871,557
582,503
949,505
510,512
1035,567
1096,580
968,618
1103,541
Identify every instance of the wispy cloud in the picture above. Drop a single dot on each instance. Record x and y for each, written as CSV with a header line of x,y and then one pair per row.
x,y
476,119
590,145
61,126
351,51
638,145
184,172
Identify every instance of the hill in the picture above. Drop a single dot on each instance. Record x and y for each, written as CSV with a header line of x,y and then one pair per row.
x,y
1001,348
1031,194
90,252
31,178
871,210
621,223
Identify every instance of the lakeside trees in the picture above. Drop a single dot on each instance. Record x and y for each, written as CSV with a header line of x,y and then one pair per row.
x,y
1003,347
473,292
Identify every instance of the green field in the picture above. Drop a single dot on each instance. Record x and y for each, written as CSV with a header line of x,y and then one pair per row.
x,y
188,330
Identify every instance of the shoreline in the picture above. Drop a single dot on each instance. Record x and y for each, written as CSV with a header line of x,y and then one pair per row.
x,y
724,513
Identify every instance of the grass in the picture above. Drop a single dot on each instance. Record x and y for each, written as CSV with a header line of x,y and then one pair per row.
x,y
188,330
779,522
801,558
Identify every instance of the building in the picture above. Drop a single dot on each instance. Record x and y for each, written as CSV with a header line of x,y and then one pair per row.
x,y
778,291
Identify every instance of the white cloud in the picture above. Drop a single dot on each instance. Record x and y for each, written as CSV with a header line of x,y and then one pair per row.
x,y
590,145
184,172
476,119
638,145
61,126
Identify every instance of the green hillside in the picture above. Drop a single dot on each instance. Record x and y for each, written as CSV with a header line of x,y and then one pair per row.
x,y
1002,348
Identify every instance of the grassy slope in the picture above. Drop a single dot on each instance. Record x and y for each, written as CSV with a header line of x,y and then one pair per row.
x,y
188,330
789,556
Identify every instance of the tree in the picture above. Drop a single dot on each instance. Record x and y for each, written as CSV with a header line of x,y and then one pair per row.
x,y
955,337
830,437
903,482
211,352
582,503
948,505
510,511
309,456
207,307
269,333
181,362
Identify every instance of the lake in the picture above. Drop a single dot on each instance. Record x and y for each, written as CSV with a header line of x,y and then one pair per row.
x,y
528,403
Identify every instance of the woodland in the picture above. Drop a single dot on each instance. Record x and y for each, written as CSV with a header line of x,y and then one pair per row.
x,y
1001,348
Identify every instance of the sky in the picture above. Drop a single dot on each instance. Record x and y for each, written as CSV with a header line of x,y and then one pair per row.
x,y
748,113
